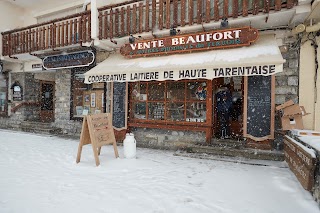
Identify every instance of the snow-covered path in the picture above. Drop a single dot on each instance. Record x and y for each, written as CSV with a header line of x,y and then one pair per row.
x,y
38,174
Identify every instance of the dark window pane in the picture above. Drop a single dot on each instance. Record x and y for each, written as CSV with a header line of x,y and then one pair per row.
x,y
156,111
196,112
175,111
176,91
156,91
196,91
139,110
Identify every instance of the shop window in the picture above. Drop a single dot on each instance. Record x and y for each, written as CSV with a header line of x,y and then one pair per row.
x,y
3,94
86,98
178,101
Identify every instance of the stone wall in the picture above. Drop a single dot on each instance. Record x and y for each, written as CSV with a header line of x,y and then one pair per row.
x,y
287,86
287,82
30,89
62,104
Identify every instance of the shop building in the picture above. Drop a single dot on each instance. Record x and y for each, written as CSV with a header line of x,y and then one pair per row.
x,y
165,94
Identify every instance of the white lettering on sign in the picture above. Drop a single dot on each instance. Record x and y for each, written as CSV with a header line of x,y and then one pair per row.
x,y
146,45
206,37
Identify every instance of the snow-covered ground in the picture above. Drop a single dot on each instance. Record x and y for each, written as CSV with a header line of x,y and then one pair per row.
x,y
38,174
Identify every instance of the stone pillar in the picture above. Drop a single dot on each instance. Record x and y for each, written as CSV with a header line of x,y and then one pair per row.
x,y
62,104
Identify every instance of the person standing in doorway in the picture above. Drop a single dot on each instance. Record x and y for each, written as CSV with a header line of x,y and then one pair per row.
x,y
224,104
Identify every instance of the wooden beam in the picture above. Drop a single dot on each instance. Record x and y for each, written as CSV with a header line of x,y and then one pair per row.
x,y
175,13
216,10
226,8
161,14
128,20
116,22
168,14
140,17
101,20
235,9
266,6
255,6
111,25
134,19
245,8
190,11
183,13
277,6
208,7
199,11
154,14
147,14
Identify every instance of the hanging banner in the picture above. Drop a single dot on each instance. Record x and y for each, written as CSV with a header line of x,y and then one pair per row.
x,y
218,39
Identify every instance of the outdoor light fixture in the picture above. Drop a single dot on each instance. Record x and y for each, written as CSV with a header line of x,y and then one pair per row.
x,y
224,22
173,31
113,41
131,39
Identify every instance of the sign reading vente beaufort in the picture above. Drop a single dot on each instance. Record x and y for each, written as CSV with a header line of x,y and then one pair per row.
x,y
218,39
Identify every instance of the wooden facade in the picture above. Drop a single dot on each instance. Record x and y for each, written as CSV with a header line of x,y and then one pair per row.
x,y
130,17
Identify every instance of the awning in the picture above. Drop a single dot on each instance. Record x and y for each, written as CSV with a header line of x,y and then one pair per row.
x,y
261,58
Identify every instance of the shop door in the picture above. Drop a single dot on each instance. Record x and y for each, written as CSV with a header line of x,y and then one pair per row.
x,y
230,92
47,101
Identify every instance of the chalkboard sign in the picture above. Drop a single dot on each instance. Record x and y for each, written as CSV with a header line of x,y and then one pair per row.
x,y
259,106
119,105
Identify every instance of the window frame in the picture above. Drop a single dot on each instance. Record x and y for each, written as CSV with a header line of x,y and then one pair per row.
x,y
89,87
207,102
6,78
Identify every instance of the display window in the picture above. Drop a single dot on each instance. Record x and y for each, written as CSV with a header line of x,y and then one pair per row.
x,y
3,94
86,98
171,101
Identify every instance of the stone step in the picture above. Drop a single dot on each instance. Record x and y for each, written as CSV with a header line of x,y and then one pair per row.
x,y
39,127
220,148
242,152
35,124
228,143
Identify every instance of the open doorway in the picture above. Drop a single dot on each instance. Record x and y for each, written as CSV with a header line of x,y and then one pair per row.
x,y
228,107
47,101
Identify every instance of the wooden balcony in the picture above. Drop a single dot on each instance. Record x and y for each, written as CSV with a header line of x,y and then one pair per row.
x,y
138,16
131,17
63,32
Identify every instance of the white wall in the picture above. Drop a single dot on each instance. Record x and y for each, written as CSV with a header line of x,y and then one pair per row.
x,y
317,106
307,86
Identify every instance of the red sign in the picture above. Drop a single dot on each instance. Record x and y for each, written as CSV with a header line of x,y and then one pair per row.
x,y
218,39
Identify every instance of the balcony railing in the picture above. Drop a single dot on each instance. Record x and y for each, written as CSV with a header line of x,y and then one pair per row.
x,y
67,31
138,16
131,17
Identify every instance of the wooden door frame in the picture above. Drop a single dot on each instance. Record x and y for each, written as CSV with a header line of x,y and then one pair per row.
x,y
53,98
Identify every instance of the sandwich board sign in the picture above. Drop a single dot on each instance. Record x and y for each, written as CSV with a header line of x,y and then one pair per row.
x,y
97,130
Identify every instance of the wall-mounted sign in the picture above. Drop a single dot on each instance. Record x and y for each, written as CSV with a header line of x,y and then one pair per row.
x,y
69,60
16,91
218,39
